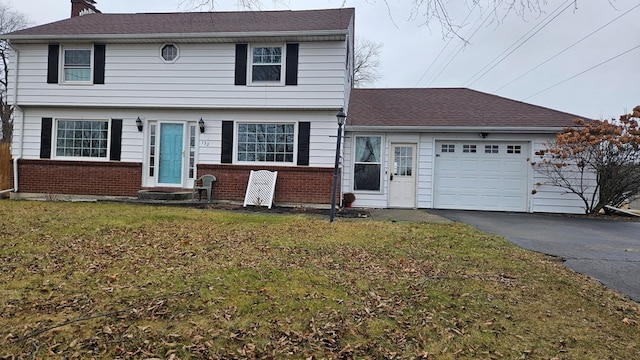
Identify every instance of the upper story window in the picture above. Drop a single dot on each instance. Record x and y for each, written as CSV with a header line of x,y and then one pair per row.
x,y
266,142
82,138
169,53
266,64
77,65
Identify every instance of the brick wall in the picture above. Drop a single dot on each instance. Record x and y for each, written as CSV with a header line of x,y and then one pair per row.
x,y
79,177
298,184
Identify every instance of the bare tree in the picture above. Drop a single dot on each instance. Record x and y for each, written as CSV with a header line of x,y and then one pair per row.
x,y
366,62
10,20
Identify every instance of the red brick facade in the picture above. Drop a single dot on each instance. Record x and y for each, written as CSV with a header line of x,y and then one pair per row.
x,y
79,177
300,184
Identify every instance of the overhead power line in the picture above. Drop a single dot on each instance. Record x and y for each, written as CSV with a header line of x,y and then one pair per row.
x,y
583,72
566,49
461,47
518,43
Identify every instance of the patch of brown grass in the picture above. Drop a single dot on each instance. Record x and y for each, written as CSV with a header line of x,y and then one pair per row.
x,y
121,281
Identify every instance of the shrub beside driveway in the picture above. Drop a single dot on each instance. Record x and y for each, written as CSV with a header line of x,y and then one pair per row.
x,y
114,280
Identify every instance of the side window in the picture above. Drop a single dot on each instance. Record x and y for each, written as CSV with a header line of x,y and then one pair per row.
x,y
266,64
367,164
76,64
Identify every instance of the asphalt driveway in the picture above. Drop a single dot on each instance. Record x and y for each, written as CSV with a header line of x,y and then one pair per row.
x,y
606,250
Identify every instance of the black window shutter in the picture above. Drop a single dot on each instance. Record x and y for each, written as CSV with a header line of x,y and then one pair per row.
x,y
52,65
116,139
45,138
98,63
304,131
227,142
291,76
241,64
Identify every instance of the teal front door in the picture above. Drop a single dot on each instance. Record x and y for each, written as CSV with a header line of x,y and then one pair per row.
x,y
170,171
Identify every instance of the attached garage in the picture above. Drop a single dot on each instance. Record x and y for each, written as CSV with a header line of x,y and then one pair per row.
x,y
481,175
468,150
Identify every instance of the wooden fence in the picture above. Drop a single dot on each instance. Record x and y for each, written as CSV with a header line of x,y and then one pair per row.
x,y
5,166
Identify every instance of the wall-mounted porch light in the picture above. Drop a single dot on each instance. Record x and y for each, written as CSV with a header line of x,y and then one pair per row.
x,y
201,124
139,123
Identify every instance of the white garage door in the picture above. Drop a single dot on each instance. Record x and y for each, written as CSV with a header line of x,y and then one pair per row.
x,y
481,175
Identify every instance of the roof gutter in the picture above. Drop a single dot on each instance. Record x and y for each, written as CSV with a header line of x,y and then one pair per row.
x,y
177,36
458,129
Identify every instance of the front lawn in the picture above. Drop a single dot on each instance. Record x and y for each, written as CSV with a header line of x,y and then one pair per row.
x,y
124,281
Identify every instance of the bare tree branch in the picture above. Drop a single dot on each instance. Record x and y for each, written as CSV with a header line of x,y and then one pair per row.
x,y
10,20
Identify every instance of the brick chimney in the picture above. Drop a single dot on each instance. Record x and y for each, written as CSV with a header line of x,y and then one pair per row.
x,y
83,7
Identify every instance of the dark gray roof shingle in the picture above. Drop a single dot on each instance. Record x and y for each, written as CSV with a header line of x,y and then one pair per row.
x,y
196,23
442,107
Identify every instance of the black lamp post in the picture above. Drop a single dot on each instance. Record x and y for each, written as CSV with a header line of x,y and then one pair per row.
x,y
341,117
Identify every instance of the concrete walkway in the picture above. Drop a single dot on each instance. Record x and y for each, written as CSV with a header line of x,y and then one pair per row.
x,y
407,215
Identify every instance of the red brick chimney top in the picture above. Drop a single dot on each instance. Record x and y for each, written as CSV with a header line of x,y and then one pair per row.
x,y
83,7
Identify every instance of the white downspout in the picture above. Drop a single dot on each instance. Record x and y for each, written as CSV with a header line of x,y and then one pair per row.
x,y
16,107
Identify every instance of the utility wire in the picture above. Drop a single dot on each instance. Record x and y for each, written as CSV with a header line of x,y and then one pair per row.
x,y
461,47
501,58
445,47
566,49
585,71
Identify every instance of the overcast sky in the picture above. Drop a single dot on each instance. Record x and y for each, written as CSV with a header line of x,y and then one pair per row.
x,y
410,50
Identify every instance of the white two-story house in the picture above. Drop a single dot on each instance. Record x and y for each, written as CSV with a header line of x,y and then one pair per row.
x,y
111,104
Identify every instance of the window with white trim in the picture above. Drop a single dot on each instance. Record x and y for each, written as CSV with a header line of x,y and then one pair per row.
x,y
267,64
368,163
192,151
169,52
82,138
152,148
266,142
76,64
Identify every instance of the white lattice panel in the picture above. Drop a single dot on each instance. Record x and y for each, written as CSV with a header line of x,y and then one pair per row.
x,y
261,188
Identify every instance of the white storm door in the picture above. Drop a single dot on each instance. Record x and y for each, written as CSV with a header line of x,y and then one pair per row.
x,y
402,176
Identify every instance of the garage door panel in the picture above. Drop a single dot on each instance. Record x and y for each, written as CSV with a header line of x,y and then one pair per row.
x,y
481,181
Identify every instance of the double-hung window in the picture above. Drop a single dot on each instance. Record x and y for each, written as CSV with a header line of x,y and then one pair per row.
x,y
266,64
77,65
82,138
266,142
368,164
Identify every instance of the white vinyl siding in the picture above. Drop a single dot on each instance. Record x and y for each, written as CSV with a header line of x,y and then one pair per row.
x,y
135,147
202,77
